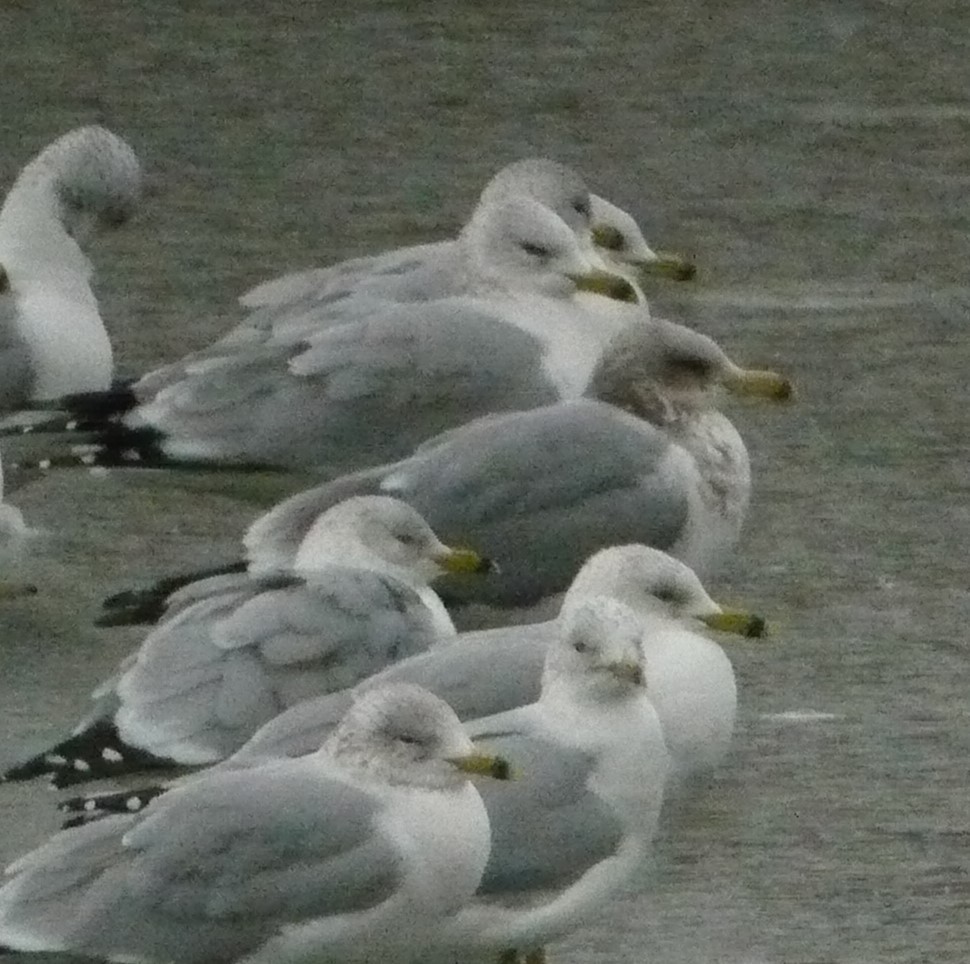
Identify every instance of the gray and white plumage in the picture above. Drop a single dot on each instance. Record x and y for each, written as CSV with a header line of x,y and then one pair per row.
x,y
356,599
52,338
690,679
387,376
589,769
425,271
591,765
645,457
356,852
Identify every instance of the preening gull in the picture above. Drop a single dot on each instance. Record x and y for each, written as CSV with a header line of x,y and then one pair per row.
x,y
384,380
358,852
239,654
52,338
690,680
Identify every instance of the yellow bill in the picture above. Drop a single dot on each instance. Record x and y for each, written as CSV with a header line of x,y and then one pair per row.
x,y
465,560
483,764
669,265
759,384
738,622
604,283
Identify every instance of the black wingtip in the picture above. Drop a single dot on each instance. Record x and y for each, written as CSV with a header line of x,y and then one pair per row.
x,y
78,412
88,808
99,407
138,607
95,753
147,613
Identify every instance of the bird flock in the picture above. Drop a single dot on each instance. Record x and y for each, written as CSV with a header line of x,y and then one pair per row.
x,y
436,709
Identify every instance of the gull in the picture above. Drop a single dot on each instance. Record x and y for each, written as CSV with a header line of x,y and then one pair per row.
x,y
52,338
202,683
576,826
645,457
690,680
358,852
417,271
385,378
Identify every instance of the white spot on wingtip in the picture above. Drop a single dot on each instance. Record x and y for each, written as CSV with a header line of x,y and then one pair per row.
x,y
70,426
82,765
44,464
111,755
90,805
133,803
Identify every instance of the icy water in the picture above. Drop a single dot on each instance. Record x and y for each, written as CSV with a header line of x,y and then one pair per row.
x,y
813,156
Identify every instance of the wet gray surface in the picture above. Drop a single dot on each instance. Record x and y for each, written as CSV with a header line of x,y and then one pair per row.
x,y
814,157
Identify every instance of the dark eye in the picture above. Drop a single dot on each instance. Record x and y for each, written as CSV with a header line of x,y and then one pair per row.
x,y
407,539
580,647
410,740
581,206
536,250
667,594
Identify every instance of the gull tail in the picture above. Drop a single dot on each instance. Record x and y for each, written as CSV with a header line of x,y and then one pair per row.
x,y
95,753
138,607
90,807
78,412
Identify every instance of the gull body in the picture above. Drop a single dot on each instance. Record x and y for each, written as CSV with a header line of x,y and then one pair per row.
x,y
576,825
690,682
387,376
440,268
354,853
644,457
204,681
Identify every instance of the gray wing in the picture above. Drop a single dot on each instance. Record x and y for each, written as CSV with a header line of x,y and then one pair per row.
x,y
209,871
548,827
541,491
207,679
480,673
477,674
365,392
288,289
439,272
